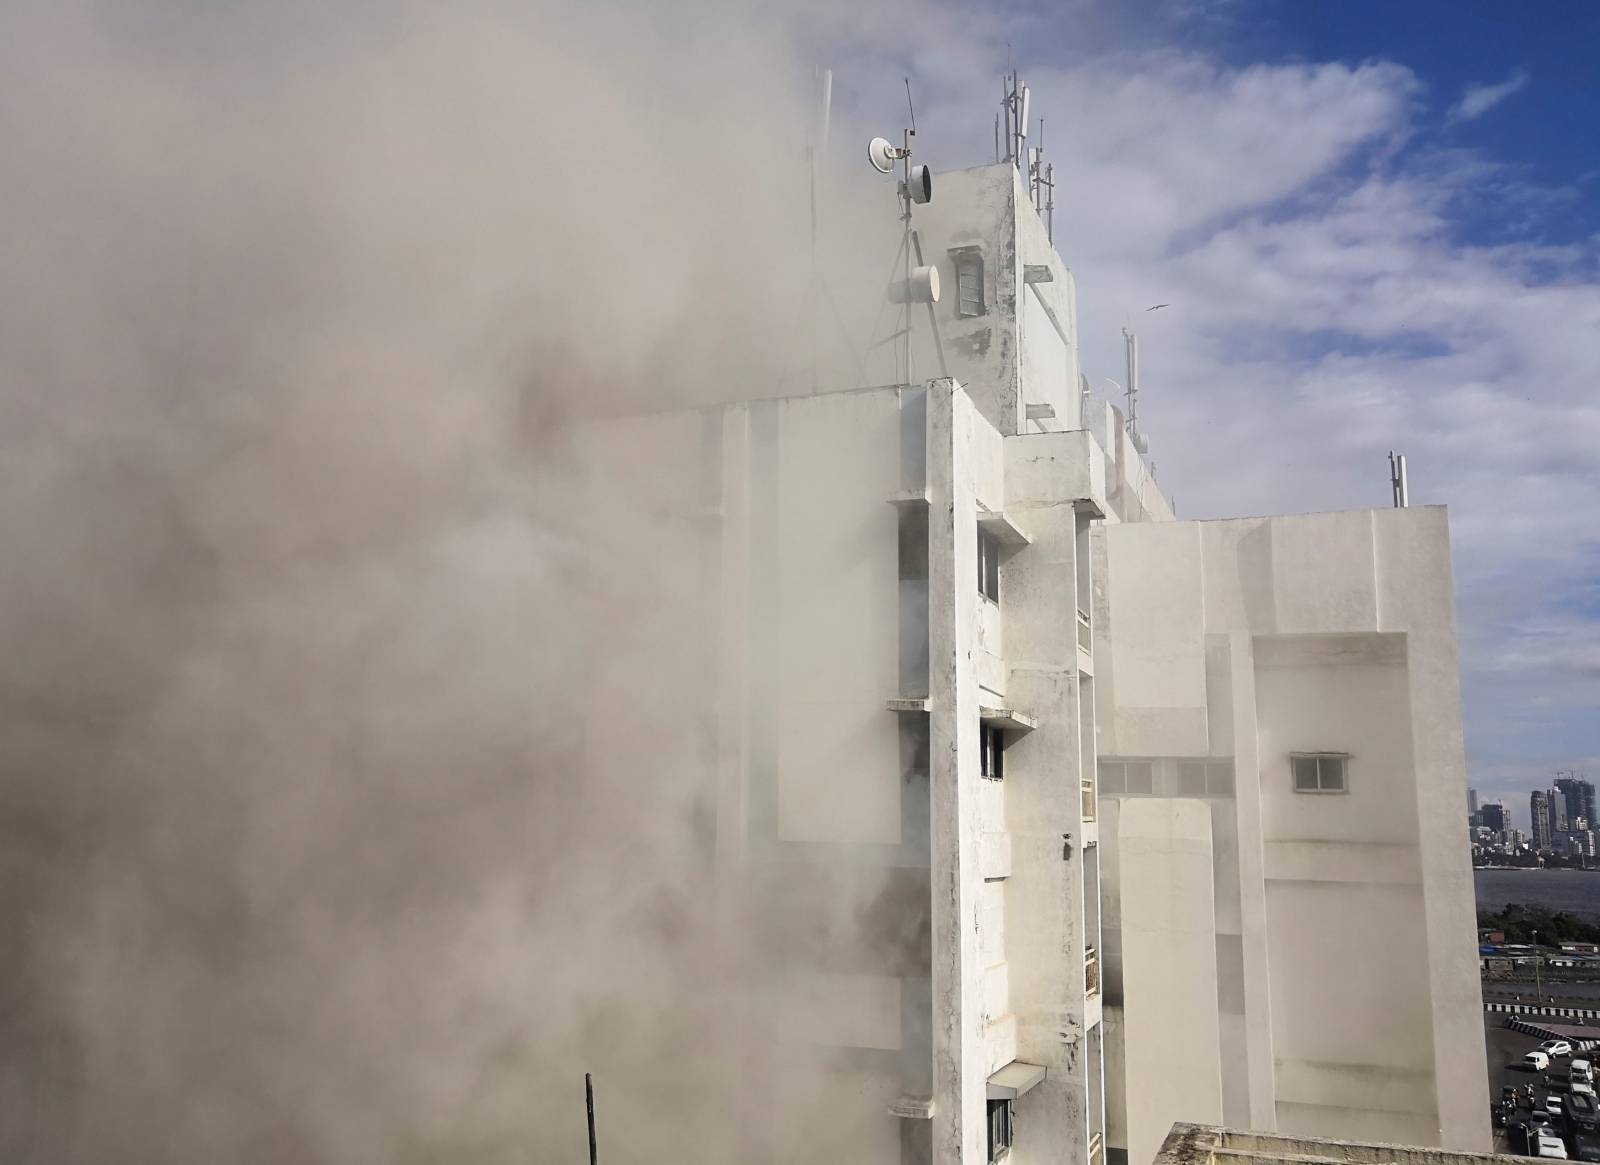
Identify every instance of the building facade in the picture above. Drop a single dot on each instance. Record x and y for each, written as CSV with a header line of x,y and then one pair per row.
x,y
1541,821
1054,819
1287,902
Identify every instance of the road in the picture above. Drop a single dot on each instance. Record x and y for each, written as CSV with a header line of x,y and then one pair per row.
x,y
1577,994
1505,1049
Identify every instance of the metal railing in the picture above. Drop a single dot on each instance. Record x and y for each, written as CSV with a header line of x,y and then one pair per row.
x,y
1085,638
1097,1148
1091,971
1088,798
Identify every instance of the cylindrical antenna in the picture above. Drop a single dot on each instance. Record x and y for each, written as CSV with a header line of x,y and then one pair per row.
x,y
1397,480
588,1097
1023,129
997,137
827,108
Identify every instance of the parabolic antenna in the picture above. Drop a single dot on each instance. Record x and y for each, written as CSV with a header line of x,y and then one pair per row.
x,y
921,287
921,184
881,154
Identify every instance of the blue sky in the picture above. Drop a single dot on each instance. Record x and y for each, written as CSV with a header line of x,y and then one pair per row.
x,y
1379,227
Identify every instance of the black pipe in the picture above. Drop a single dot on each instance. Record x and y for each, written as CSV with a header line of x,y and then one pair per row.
x,y
588,1096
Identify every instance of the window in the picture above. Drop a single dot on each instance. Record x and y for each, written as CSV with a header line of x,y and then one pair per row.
x,y
1320,772
1140,776
969,283
988,565
1205,778
999,1129
992,743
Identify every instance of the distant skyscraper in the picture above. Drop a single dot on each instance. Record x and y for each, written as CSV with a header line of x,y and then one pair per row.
x,y
1492,815
1558,812
1539,812
1472,805
1578,796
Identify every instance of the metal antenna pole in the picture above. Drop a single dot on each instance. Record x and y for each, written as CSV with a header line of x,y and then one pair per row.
x,y
588,1096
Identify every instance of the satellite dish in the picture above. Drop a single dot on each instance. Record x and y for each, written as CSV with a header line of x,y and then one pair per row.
x,y
921,287
881,154
921,184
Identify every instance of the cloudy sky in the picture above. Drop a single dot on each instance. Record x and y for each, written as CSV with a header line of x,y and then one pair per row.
x,y
1377,227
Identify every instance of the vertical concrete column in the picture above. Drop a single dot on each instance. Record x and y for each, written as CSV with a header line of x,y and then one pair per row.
x,y
959,1070
1169,970
1044,815
1252,886
1416,595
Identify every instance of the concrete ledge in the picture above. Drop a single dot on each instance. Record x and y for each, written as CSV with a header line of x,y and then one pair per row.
x,y
916,1108
1015,1079
1002,529
1006,720
909,704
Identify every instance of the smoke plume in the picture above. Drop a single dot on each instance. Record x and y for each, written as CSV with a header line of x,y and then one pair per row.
x,y
352,781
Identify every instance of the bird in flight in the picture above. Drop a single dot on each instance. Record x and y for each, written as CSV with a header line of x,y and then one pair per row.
x,y
1158,307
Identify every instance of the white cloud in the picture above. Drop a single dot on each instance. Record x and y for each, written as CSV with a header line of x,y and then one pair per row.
x,y
1477,100
1331,302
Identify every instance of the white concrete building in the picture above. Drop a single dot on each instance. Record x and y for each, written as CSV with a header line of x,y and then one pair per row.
x,y
1281,754
915,688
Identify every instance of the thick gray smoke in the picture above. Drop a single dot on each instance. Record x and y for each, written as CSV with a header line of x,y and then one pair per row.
x,y
308,854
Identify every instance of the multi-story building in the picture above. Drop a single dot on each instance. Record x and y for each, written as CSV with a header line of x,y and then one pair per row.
x,y
1541,822
1472,807
1492,815
1559,821
938,603
1577,795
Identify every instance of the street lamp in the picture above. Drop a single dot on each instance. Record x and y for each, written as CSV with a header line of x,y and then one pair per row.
x,y
1538,987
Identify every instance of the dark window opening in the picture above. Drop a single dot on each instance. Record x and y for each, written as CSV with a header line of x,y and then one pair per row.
x,y
988,566
992,744
1000,1129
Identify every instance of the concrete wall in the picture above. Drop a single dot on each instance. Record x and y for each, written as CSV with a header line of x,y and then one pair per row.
x,y
1346,918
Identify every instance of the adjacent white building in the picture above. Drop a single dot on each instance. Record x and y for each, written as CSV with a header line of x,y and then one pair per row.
x,y
945,610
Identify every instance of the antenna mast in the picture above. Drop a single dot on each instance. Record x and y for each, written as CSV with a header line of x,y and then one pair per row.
x,y
1397,480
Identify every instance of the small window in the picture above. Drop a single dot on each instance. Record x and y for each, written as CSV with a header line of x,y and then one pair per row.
x,y
1141,777
1318,772
988,566
969,283
1219,778
1000,1129
992,743
1112,782
1192,778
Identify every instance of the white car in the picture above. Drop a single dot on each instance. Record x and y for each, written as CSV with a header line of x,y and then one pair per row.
x,y
1552,1105
1546,1145
1556,1048
1581,1070
1536,1060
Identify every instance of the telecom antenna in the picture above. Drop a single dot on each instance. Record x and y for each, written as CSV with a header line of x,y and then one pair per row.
x,y
919,283
1397,480
1130,344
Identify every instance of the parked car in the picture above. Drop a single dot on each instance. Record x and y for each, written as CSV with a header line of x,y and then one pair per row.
x,y
1580,1070
1556,1047
1553,1105
1537,1060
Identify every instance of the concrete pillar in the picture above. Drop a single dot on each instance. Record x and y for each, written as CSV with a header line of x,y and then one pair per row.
x,y
1173,1035
959,1076
1252,886
1044,943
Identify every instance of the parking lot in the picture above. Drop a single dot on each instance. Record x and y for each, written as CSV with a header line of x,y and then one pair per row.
x,y
1505,1050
